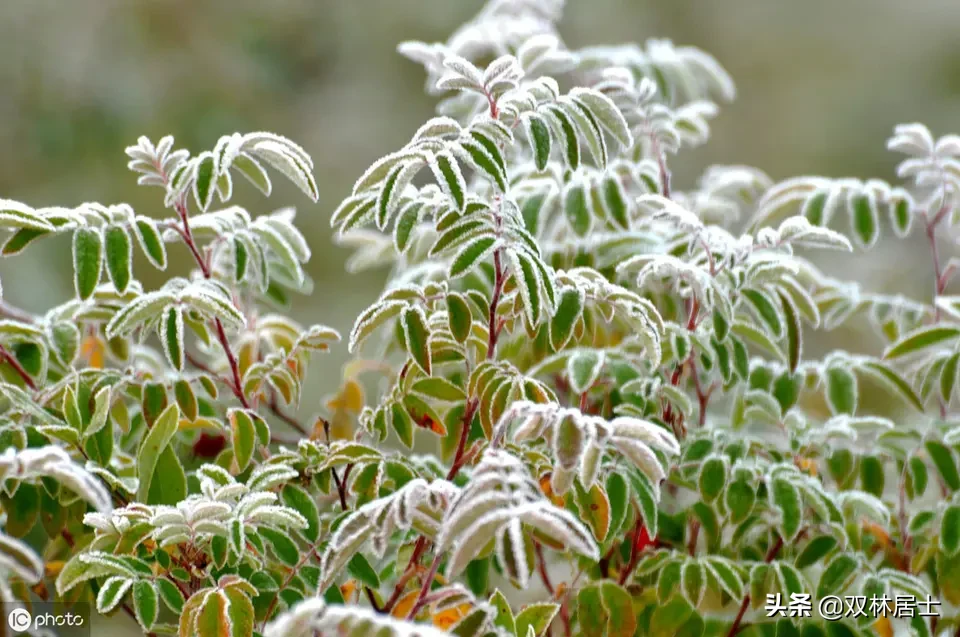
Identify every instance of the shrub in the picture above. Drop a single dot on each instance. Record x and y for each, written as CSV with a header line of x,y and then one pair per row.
x,y
603,375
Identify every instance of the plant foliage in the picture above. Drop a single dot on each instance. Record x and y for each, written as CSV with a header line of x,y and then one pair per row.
x,y
582,404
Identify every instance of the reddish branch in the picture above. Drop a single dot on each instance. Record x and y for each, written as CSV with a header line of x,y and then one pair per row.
x,y
11,360
187,236
542,569
771,555
492,328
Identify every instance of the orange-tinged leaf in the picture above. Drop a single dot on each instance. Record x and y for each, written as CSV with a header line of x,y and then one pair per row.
x,y
405,604
547,488
447,618
349,398
807,465
878,532
53,568
199,423
347,589
92,350
883,627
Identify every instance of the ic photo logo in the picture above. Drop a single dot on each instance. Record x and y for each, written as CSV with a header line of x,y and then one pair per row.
x,y
20,619
49,617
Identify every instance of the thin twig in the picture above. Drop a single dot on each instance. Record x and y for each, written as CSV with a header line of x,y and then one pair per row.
x,y
771,555
5,355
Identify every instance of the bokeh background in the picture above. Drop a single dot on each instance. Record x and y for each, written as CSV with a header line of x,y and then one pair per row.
x,y
821,84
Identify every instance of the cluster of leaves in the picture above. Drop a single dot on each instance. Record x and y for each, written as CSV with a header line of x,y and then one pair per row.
x,y
592,412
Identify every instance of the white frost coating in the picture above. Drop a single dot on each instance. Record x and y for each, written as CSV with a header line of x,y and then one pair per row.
x,y
313,615
52,461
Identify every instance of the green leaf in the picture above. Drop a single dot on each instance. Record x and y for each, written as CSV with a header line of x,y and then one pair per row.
x,y
146,605
170,594
838,574
713,477
576,209
119,257
173,336
16,215
618,494
417,337
539,136
484,163
815,550
794,332
536,616
372,319
20,239
439,389
565,130
450,179
584,367
253,172
471,254
243,437
87,261
409,216
169,483
360,568
945,462
402,424
920,339
112,593
186,399
871,475
204,181
606,113
298,499
151,242
527,276
504,618
594,507
786,498
841,391
883,373
948,377
459,317
766,310
283,547
756,337
866,225
154,442
569,311
740,498
615,202
950,530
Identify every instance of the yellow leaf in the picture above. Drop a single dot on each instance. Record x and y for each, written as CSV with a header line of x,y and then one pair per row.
x,y
350,398
199,423
449,617
878,532
347,589
883,627
92,350
405,604
547,489
53,568
807,465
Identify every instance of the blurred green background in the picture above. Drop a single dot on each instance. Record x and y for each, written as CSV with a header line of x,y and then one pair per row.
x,y
821,85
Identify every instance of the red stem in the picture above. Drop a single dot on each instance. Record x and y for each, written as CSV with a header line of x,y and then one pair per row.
x,y
771,555
498,282
427,582
17,367
464,434
187,237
